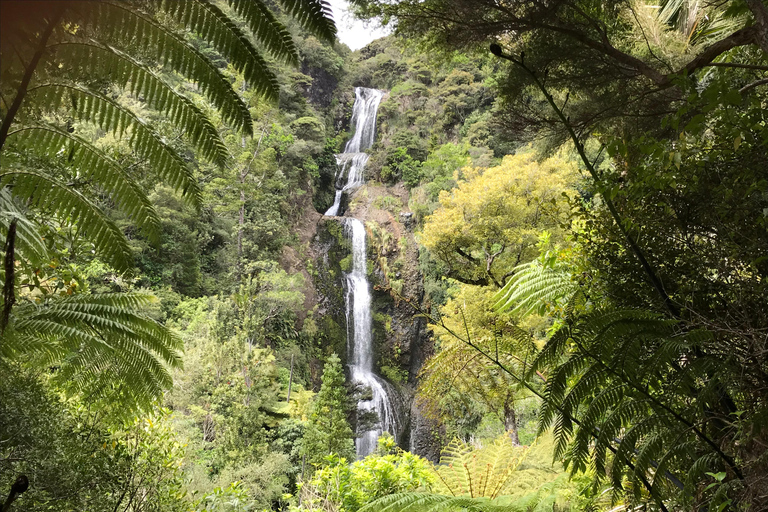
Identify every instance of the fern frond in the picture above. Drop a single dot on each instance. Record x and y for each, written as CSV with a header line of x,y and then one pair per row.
x,y
43,191
316,16
91,164
98,343
532,285
426,502
94,60
267,29
202,17
28,239
138,30
109,115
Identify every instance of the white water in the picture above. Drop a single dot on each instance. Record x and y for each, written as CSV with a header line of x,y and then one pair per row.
x,y
350,174
351,163
358,299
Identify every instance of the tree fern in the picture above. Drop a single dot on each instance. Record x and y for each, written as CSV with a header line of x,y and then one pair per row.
x,y
533,286
60,61
427,502
99,344
28,239
48,193
57,57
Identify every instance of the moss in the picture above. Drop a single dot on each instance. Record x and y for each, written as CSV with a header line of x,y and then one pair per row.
x,y
346,263
385,320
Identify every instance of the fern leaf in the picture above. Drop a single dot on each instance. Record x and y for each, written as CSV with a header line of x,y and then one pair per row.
x,y
316,16
204,18
108,115
138,30
94,60
43,191
99,343
267,29
91,164
28,240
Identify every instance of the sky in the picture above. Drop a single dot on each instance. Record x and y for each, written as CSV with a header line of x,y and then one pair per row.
x,y
352,32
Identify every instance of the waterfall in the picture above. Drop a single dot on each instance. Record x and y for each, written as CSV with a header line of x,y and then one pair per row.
x,y
351,165
358,299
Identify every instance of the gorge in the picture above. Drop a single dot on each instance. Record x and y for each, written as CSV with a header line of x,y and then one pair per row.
x,y
351,167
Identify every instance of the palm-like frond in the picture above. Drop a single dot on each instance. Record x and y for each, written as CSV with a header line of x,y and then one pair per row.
x,y
28,240
428,502
534,286
616,385
315,16
89,58
267,29
46,192
91,164
99,344
215,27
124,25
106,113
477,472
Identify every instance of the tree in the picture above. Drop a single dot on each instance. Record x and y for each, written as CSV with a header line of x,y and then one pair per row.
x,y
59,79
491,221
458,374
64,63
389,470
621,60
328,432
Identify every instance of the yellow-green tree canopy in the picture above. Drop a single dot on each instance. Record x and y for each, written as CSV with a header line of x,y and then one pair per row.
x,y
492,220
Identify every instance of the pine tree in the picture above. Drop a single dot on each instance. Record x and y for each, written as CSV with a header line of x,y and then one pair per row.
x,y
328,431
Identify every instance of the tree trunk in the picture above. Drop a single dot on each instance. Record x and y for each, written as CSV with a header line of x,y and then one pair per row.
x,y
510,423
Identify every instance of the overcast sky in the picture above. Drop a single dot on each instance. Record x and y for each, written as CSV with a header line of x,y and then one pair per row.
x,y
353,32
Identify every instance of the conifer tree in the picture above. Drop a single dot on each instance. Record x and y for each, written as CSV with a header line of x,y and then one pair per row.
x,y
328,431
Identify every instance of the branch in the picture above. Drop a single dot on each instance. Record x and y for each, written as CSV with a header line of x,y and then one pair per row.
x,y
633,245
754,84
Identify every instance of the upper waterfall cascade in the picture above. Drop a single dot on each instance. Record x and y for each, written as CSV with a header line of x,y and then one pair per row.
x,y
350,174
351,163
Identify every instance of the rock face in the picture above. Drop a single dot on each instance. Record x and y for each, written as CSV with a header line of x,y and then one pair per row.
x,y
401,343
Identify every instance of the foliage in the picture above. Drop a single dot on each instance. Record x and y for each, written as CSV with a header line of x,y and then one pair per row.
x,y
59,77
491,221
101,346
328,431
458,378
342,487
495,477
77,459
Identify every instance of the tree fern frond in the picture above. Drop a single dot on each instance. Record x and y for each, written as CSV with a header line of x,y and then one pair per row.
x,y
95,60
43,191
98,342
532,285
108,115
427,502
28,239
91,164
202,17
139,30
316,16
267,29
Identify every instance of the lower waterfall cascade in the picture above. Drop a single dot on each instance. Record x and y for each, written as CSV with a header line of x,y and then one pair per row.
x,y
357,297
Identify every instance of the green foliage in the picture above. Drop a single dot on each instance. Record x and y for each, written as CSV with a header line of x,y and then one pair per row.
x,y
342,487
77,459
491,221
101,345
328,431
